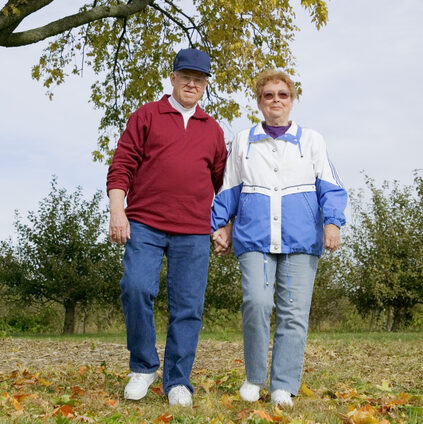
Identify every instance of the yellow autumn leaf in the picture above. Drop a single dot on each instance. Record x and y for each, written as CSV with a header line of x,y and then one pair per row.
x,y
226,401
307,391
385,386
362,417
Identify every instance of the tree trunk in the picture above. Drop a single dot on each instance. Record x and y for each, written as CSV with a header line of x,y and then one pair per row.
x,y
398,317
69,325
390,318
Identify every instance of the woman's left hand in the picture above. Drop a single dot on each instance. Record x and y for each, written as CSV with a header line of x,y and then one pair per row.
x,y
331,237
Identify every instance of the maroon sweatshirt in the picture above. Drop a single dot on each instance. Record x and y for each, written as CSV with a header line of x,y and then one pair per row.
x,y
169,173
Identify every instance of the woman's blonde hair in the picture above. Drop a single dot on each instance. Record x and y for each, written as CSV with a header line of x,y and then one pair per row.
x,y
273,75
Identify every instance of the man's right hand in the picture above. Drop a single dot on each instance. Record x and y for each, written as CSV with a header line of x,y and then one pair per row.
x,y
119,229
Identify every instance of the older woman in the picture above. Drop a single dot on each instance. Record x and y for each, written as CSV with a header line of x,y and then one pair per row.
x,y
287,202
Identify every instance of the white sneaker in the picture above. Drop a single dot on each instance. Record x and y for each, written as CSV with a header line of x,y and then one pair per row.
x,y
179,395
138,385
249,391
282,398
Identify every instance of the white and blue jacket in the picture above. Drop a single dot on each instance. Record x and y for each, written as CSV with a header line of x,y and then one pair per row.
x,y
282,192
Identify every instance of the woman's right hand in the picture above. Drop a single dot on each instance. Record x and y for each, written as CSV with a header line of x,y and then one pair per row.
x,y
222,240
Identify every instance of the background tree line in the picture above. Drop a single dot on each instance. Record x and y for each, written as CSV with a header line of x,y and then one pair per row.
x,y
62,268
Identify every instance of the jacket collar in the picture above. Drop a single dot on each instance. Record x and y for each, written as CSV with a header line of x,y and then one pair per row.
x,y
257,133
166,107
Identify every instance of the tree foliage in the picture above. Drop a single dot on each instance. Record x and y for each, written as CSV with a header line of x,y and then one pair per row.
x,y
63,255
130,46
384,264
329,303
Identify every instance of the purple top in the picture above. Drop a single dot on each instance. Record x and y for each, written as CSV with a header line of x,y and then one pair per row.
x,y
275,132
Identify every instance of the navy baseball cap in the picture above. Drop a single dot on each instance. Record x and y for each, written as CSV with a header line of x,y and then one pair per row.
x,y
192,59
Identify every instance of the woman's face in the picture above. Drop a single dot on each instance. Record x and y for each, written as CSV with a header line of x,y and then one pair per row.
x,y
275,103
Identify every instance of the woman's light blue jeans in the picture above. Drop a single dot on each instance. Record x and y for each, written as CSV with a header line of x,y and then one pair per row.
x,y
293,278
187,265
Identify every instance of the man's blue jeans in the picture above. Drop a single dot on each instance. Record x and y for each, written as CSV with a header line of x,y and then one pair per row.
x,y
260,280
187,266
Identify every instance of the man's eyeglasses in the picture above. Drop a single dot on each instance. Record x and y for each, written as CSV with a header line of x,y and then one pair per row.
x,y
270,95
187,78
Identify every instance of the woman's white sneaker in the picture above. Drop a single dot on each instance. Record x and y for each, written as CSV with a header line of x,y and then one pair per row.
x,y
282,398
138,385
179,395
249,391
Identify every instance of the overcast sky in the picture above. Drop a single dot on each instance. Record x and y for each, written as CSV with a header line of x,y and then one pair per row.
x,y
362,81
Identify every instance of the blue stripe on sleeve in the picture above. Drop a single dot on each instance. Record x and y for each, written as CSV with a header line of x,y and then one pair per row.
x,y
332,200
225,206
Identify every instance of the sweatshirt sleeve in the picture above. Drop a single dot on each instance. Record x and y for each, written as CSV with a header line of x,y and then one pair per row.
x,y
331,193
128,154
225,204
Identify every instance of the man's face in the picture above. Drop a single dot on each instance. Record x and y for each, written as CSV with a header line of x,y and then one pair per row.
x,y
188,86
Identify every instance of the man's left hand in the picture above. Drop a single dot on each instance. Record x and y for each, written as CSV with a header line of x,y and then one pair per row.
x,y
331,237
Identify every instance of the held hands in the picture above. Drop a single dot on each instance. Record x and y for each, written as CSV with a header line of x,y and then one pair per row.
x,y
222,240
119,230
331,237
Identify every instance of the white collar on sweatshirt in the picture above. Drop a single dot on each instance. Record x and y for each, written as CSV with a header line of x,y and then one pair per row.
x,y
186,113
175,104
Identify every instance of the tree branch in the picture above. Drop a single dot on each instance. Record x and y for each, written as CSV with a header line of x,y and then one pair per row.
x,y
173,19
72,21
9,18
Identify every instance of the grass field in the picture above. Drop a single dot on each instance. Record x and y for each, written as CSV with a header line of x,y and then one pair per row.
x,y
357,378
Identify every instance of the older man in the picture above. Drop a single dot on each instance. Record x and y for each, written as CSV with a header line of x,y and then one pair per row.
x,y
169,162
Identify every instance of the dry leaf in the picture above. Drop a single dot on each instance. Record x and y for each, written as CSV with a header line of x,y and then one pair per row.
x,y
307,391
165,418
16,405
207,384
158,390
226,401
82,369
362,416
244,413
64,410
350,393
77,391
262,414
111,402
20,396
385,386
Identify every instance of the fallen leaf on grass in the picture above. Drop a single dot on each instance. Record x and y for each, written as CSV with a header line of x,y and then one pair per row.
x,y
158,390
262,414
348,394
239,361
111,402
16,405
20,396
365,415
77,391
64,410
226,401
207,385
165,418
244,413
307,391
279,416
82,370
385,386
44,382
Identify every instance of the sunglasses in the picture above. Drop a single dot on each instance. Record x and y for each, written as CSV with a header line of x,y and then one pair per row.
x,y
270,95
